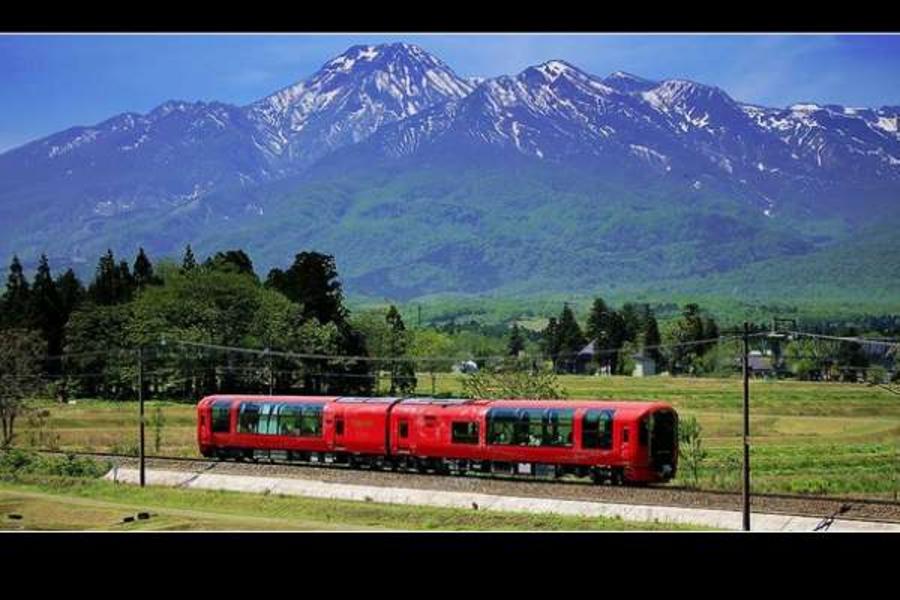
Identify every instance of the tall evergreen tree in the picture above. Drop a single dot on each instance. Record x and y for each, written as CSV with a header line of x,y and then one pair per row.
x,y
312,281
403,372
688,329
125,283
550,341
71,291
516,342
652,338
143,271
232,260
571,339
188,262
46,307
15,303
631,321
608,328
103,289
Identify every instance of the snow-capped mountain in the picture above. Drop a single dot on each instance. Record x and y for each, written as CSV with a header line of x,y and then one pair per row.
x,y
675,128
349,99
396,116
182,151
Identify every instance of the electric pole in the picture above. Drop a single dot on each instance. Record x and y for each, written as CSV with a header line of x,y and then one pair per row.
x,y
746,465
141,411
271,372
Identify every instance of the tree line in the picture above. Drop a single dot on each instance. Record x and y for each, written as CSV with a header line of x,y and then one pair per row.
x,y
81,338
619,335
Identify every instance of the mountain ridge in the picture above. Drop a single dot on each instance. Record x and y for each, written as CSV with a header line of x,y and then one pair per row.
x,y
390,135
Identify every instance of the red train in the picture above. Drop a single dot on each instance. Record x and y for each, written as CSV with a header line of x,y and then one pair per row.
x,y
618,442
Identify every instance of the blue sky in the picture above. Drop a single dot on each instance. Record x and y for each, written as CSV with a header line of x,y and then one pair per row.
x,y
53,82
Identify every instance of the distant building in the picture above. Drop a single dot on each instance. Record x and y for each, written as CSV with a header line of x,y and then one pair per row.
x,y
467,366
584,360
644,366
760,365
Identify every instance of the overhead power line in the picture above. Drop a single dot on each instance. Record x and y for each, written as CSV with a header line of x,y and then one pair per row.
x,y
858,340
302,355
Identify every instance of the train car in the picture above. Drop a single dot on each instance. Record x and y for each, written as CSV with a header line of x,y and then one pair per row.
x,y
276,427
618,442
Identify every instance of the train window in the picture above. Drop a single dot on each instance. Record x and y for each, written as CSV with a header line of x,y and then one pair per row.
x,y
464,432
289,419
404,429
221,417
644,431
311,422
558,428
268,420
624,434
502,426
248,418
596,429
339,426
531,428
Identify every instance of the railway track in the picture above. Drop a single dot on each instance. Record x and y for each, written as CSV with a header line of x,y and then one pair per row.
x,y
849,508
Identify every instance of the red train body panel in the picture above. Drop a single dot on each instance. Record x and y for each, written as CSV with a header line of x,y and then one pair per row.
x,y
617,441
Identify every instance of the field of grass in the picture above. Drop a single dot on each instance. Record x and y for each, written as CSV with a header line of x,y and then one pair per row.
x,y
805,436
70,504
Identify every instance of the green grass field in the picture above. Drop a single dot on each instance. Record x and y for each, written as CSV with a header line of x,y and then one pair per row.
x,y
71,504
805,436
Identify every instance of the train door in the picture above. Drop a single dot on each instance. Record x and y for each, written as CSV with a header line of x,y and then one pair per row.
x,y
339,432
403,436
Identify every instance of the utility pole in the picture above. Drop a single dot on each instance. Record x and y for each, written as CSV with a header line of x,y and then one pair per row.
x,y
271,373
419,307
746,465
141,411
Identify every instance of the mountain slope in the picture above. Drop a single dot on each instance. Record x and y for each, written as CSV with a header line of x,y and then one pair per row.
x,y
422,182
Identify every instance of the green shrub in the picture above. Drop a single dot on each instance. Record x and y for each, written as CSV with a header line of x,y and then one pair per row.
x,y
15,463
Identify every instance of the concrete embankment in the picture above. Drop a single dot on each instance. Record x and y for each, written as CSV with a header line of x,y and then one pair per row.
x,y
723,519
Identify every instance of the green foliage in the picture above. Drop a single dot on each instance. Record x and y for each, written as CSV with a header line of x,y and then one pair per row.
x,y
563,340
514,378
16,463
39,433
312,281
403,372
94,333
610,329
158,422
516,344
692,327
20,377
230,261
112,284
691,452
15,304
143,271
433,343
188,261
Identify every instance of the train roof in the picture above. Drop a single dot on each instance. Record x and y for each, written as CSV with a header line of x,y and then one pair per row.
x,y
259,398
366,400
622,406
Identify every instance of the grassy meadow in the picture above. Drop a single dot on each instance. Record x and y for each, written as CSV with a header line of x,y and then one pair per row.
x,y
806,437
47,503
